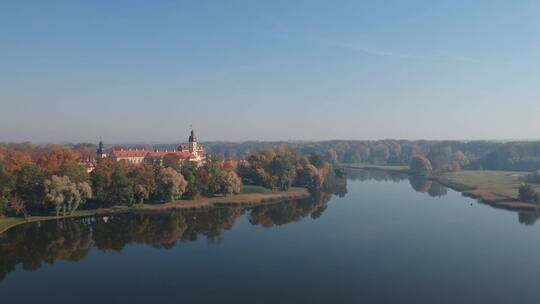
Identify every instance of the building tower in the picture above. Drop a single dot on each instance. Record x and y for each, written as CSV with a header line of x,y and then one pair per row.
x,y
192,142
100,152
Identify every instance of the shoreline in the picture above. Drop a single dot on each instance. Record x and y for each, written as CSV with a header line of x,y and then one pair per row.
x,y
240,200
487,197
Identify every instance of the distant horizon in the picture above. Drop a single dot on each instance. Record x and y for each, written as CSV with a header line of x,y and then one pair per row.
x,y
171,142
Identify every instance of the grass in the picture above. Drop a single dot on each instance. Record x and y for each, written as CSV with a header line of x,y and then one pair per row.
x,y
391,168
504,184
251,189
244,199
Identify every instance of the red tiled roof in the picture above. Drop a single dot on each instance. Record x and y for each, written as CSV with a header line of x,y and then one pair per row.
x,y
184,154
129,153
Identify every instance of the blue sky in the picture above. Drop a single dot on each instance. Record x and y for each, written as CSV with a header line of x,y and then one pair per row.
x,y
269,70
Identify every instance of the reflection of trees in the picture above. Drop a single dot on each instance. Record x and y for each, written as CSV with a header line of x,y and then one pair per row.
x,y
71,239
437,190
425,185
420,184
377,175
31,245
528,218
291,211
336,186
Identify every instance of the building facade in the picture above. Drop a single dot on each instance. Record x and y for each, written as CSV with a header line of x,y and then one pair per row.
x,y
192,151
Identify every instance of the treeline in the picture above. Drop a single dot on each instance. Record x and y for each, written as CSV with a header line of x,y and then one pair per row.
x,y
476,155
282,168
40,179
395,152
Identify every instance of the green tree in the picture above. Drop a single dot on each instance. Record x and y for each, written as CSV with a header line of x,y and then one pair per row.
x,y
121,190
100,184
189,172
310,177
226,182
29,184
282,171
527,193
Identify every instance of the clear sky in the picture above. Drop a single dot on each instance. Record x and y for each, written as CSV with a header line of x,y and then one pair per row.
x,y
269,70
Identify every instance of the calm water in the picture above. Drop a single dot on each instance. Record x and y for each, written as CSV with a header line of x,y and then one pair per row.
x,y
388,240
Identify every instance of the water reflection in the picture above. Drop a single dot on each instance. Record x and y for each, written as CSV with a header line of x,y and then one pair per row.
x,y
430,187
71,239
528,218
418,183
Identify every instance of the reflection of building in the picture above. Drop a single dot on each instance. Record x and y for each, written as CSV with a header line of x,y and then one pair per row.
x,y
192,151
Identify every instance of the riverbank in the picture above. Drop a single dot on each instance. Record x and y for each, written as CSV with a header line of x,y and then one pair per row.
x,y
240,200
495,188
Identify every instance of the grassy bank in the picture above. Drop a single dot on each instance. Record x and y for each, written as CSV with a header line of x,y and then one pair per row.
x,y
244,199
498,188
503,184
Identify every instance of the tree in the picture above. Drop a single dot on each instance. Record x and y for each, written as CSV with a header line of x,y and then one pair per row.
x,y
527,193
17,206
100,183
421,166
228,183
74,170
309,176
282,169
143,179
29,184
440,159
65,194
7,183
170,184
189,172
121,189
54,157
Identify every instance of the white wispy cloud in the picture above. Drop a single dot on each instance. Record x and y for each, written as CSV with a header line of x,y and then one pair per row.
x,y
366,49
373,50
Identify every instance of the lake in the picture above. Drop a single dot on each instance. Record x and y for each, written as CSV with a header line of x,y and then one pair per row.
x,y
389,239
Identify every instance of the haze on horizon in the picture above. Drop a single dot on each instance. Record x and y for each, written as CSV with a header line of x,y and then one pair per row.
x,y
268,70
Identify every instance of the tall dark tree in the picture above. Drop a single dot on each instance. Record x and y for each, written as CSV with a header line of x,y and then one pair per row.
x,y
121,188
29,185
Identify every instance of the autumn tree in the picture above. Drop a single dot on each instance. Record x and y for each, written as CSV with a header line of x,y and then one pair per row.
x,y
65,194
144,181
7,184
170,184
